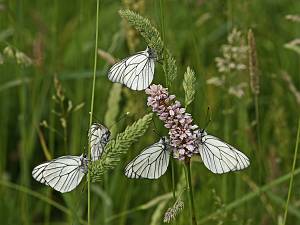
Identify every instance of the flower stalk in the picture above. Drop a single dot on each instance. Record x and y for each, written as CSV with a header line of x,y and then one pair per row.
x,y
92,109
187,170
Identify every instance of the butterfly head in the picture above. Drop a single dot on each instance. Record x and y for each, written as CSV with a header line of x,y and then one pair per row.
x,y
200,134
84,163
106,136
164,140
152,53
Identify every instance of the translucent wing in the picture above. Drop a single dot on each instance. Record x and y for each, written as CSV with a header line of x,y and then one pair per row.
x,y
136,71
98,137
151,163
62,174
220,157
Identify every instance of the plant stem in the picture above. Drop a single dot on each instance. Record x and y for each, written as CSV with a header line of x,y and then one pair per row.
x,y
190,190
173,179
292,174
258,134
162,31
92,107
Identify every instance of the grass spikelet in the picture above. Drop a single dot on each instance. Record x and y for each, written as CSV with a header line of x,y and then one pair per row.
x,y
294,45
253,68
189,86
170,68
143,25
118,146
293,18
174,211
1,59
291,86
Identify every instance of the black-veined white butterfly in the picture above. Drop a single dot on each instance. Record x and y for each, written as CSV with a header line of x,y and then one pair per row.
x,y
65,173
218,156
98,137
152,162
136,71
62,174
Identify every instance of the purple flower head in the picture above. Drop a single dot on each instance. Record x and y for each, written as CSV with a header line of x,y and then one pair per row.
x,y
182,132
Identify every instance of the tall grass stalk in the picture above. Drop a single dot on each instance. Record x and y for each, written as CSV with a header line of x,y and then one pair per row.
x,y
255,89
92,106
187,170
162,31
292,174
173,179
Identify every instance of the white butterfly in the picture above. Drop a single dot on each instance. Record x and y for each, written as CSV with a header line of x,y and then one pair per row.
x,y
218,156
151,163
65,173
98,137
136,71
62,174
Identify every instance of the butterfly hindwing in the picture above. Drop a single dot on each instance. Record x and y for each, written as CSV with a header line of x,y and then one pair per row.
x,y
136,71
151,163
220,157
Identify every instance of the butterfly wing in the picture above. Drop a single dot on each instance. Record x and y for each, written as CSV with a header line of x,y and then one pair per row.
x,y
62,174
151,163
37,173
220,157
136,71
98,136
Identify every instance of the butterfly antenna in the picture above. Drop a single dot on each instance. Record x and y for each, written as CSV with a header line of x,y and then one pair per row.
x,y
84,150
155,130
121,118
207,118
94,117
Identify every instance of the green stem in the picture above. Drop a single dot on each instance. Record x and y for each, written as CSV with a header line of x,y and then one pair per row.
x,y
292,174
92,107
190,190
162,31
173,179
258,134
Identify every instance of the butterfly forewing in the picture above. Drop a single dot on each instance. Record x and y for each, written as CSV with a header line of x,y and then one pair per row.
x,y
62,174
220,157
98,136
136,71
151,163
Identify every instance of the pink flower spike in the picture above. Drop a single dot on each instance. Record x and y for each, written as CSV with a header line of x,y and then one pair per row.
x,y
181,130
